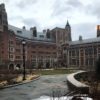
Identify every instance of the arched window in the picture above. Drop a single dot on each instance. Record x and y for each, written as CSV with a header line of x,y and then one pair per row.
x,y
11,67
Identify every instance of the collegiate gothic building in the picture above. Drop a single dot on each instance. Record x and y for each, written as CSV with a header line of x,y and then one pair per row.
x,y
47,49
82,53
42,49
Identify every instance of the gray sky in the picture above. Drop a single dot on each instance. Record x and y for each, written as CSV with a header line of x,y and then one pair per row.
x,y
83,15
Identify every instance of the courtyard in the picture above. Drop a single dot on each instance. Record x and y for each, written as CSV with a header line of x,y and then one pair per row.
x,y
45,86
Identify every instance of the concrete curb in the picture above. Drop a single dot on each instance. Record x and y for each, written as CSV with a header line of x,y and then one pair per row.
x,y
24,82
75,84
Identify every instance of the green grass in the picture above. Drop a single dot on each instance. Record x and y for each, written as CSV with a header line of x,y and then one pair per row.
x,y
53,72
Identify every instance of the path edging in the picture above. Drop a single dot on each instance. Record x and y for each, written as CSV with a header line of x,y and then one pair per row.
x,y
24,82
76,84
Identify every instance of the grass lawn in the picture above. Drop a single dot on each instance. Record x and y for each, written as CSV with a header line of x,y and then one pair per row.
x,y
53,71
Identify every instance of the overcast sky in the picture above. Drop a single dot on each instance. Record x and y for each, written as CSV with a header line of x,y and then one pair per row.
x,y
83,15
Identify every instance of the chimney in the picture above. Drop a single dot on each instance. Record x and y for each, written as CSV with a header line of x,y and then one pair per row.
x,y
44,31
34,30
80,38
98,30
48,35
24,28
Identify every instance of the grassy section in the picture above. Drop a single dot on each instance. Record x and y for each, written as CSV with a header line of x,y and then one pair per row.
x,y
53,72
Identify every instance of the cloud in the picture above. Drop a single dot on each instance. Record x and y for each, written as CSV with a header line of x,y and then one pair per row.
x,y
86,30
82,15
66,6
60,8
94,9
26,3
74,3
31,23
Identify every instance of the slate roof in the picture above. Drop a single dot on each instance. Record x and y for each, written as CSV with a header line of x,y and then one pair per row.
x,y
28,34
92,40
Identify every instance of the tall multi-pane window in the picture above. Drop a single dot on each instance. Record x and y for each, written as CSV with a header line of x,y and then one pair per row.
x,y
11,57
86,62
91,61
73,61
95,50
86,51
73,52
77,52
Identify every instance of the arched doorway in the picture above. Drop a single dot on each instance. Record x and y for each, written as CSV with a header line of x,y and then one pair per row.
x,y
11,67
47,65
40,65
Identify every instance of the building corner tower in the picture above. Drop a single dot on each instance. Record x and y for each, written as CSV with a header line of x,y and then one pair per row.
x,y
98,30
68,31
3,18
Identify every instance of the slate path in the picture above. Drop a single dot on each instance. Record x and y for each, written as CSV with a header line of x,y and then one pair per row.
x,y
47,85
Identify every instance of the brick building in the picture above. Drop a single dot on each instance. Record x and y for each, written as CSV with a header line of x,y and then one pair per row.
x,y
42,49
45,49
82,53
63,35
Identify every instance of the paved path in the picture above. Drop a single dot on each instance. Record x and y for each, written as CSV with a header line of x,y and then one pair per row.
x,y
46,85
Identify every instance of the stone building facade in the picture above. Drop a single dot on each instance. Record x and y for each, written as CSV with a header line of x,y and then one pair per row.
x,y
45,49
42,49
82,53
62,36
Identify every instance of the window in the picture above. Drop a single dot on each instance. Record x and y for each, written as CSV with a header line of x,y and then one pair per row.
x,y
11,57
69,53
86,51
18,43
91,61
78,62
86,62
18,31
41,36
11,42
95,50
18,57
33,52
18,50
90,50
11,49
73,53
77,52
82,61
73,61
0,19
98,49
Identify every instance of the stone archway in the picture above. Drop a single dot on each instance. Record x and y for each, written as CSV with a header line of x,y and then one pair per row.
x,y
40,65
11,66
47,65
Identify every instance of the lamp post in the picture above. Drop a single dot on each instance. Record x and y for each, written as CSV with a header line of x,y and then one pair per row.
x,y
24,72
